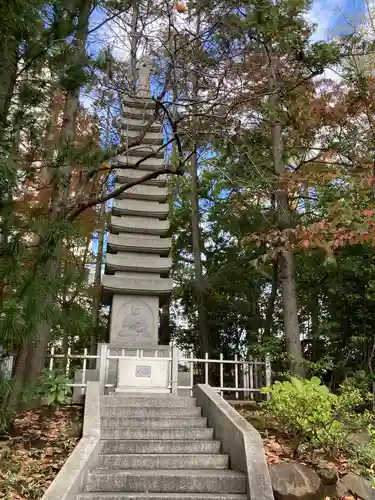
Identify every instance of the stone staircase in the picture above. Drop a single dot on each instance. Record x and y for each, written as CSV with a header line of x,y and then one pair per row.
x,y
159,447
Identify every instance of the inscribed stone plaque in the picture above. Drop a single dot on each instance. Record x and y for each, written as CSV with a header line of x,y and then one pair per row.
x,y
137,321
143,371
134,321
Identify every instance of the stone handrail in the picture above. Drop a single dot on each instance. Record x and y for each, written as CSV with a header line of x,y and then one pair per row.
x,y
71,478
239,440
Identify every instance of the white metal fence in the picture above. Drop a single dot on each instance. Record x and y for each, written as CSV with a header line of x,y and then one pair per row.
x,y
235,378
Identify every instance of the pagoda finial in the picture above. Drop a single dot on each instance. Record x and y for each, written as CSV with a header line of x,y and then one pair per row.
x,y
145,63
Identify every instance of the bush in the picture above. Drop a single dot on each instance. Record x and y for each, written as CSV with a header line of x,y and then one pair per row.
x,y
362,381
371,470
54,388
9,405
315,417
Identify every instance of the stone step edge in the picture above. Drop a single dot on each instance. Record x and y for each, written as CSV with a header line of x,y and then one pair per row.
x,y
174,455
147,396
177,441
170,429
155,406
162,496
155,417
172,472
159,441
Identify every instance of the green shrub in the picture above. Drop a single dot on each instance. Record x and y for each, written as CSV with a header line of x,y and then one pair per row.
x,y
359,380
303,408
54,388
315,417
9,403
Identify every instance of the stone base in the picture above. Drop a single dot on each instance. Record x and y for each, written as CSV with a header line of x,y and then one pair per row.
x,y
144,375
147,390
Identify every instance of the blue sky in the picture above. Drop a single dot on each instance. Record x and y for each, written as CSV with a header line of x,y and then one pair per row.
x,y
335,16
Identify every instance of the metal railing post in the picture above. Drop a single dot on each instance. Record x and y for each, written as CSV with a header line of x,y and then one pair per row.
x,y
103,367
174,381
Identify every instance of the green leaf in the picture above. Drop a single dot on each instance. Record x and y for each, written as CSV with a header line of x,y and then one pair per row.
x,y
61,397
50,399
315,381
266,390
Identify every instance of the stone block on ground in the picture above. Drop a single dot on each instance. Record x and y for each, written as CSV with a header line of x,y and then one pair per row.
x,y
359,486
294,481
341,490
327,475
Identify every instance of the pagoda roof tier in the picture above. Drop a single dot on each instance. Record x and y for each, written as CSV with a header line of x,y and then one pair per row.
x,y
140,225
143,243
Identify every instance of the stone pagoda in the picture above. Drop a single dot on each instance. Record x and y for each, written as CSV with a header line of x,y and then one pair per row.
x,y
136,279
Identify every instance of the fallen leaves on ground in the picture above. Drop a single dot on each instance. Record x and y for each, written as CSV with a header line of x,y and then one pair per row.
x,y
277,450
38,448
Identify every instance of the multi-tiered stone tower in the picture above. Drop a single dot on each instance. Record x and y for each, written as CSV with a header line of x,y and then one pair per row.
x,y
137,268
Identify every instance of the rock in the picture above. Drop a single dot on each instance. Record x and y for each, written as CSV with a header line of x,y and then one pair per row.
x,y
257,421
361,438
359,486
75,429
294,481
327,475
341,489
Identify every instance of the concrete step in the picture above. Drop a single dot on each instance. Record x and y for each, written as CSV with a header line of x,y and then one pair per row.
x,y
191,434
166,481
150,411
153,422
162,401
160,496
163,461
161,446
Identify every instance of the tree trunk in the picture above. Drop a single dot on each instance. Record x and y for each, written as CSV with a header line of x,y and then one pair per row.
x,y
268,320
8,73
292,333
50,267
195,231
314,331
96,303
165,326
286,258
198,274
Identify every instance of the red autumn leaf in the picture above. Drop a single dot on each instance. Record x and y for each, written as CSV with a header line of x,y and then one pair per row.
x,y
368,213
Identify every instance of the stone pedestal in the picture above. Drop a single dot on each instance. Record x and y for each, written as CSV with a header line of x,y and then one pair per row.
x,y
143,375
